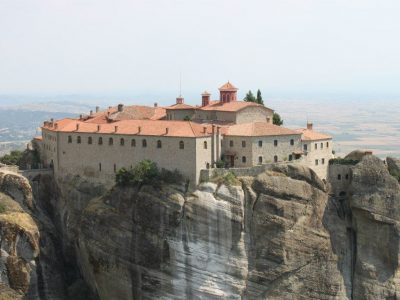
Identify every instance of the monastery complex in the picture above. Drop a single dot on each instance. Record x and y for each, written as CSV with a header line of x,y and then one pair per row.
x,y
183,137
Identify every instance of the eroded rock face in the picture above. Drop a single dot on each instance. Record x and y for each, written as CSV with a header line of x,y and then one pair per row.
x,y
262,240
375,206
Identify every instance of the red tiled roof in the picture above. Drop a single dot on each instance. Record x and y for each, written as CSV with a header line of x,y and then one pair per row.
x,y
131,127
181,106
311,135
259,129
228,87
231,106
138,112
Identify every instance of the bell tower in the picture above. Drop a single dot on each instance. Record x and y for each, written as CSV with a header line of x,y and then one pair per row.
x,y
227,93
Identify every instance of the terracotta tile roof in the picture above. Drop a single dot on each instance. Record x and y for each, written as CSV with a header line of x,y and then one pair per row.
x,y
138,112
259,129
131,127
228,87
181,106
311,135
231,106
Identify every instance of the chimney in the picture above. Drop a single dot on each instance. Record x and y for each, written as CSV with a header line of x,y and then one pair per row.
x,y
205,98
97,109
155,104
180,100
116,128
139,129
91,112
166,130
98,127
80,117
51,120
120,107
309,125
55,125
77,126
204,129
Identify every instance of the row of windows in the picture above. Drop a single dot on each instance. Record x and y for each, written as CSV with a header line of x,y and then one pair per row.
x,y
122,142
305,147
260,143
260,159
50,137
322,161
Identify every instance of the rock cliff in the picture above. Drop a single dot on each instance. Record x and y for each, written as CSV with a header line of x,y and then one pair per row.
x,y
279,235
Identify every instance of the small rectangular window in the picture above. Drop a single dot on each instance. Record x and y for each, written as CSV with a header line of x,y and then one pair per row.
x,y
315,146
322,145
260,160
290,157
275,143
305,147
323,161
243,159
292,142
259,143
316,162
230,143
243,144
327,144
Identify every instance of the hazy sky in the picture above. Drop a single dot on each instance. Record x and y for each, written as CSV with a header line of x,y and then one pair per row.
x,y
133,47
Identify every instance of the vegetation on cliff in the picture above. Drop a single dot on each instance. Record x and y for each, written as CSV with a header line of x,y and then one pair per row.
x,y
146,171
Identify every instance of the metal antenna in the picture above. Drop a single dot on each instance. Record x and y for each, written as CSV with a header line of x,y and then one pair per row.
x,y
180,84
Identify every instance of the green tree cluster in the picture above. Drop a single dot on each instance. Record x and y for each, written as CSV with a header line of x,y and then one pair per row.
x,y
144,172
276,119
14,158
251,98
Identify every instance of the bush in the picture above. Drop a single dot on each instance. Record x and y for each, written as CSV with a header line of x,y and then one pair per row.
x,y
171,176
145,172
220,164
14,158
395,174
2,208
343,161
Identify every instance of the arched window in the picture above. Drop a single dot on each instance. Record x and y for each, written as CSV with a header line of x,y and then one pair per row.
x,y
347,177
159,144
144,143
100,141
78,139
205,145
339,177
181,145
90,140
133,143
110,141
122,142
275,158
260,160
69,139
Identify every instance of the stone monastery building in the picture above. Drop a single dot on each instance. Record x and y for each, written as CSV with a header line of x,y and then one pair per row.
x,y
183,137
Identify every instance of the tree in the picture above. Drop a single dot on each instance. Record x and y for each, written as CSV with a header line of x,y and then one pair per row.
x,y
250,97
14,158
277,119
259,98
